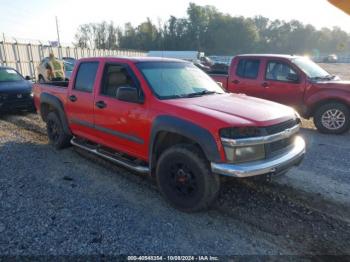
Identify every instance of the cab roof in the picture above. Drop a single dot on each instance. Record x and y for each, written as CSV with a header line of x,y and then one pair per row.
x,y
135,59
270,56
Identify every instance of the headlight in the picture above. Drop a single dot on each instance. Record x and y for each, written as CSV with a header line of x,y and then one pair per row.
x,y
244,154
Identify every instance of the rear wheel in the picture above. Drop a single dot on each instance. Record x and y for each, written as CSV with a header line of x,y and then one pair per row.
x,y
58,138
185,180
332,118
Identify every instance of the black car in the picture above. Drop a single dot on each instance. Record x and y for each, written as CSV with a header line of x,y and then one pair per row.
x,y
15,91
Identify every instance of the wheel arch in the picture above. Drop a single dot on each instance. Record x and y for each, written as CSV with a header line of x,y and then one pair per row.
x,y
169,130
319,103
49,103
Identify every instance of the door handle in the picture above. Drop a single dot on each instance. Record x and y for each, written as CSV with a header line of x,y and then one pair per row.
x,y
101,104
235,81
73,98
265,84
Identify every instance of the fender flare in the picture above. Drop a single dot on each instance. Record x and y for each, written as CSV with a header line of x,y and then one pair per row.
x,y
324,96
55,103
200,135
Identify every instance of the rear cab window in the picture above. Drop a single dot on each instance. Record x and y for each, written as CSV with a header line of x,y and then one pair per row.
x,y
248,68
85,77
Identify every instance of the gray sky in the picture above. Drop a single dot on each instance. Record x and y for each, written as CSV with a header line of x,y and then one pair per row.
x,y
35,19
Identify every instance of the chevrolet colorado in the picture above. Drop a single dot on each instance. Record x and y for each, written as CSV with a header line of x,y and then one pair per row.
x,y
167,118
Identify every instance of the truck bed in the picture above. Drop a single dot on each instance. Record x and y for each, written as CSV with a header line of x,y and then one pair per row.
x,y
56,83
58,89
220,78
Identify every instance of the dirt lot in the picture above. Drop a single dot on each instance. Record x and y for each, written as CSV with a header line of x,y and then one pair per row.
x,y
342,70
70,202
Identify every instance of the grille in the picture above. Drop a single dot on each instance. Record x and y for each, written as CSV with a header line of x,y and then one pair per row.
x,y
275,148
247,132
270,130
12,97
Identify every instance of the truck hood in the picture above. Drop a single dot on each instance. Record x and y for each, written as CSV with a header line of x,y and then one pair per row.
x,y
334,84
15,87
238,109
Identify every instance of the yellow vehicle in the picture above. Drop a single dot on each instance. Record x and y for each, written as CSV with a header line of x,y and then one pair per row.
x,y
44,74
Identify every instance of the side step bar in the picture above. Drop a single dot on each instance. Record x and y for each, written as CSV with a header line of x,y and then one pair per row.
x,y
118,160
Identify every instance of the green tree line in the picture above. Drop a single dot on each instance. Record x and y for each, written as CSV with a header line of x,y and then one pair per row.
x,y
215,33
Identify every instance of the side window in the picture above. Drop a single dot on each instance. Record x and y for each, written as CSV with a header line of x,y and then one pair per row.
x,y
116,76
279,71
85,78
248,68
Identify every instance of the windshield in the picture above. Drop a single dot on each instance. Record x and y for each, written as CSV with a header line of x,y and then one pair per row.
x,y
310,68
68,66
177,80
9,75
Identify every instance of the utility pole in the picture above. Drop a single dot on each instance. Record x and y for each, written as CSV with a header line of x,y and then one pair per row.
x,y
58,33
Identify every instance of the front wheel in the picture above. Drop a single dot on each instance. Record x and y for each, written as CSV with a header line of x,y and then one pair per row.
x,y
332,118
185,180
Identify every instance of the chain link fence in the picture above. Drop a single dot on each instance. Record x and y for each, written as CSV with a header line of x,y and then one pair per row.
x,y
25,57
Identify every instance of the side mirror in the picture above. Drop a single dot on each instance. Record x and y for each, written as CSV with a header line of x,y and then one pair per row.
x,y
28,78
220,84
129,94
293,77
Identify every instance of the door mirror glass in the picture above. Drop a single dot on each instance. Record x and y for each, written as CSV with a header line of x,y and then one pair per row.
x,y
28,78
129,94
293,77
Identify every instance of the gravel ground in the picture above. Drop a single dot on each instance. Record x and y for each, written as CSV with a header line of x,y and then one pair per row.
x,y
72,203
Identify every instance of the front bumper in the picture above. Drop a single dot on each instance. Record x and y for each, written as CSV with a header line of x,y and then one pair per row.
x,y
17,105
277,164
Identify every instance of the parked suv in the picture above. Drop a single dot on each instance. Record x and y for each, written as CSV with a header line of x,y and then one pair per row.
x,y
295,81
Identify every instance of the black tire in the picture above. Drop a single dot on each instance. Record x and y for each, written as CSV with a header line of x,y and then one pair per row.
x,y
325,128
58,138
185,180
41,79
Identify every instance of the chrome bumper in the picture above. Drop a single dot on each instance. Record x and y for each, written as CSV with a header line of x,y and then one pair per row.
x,y
277,164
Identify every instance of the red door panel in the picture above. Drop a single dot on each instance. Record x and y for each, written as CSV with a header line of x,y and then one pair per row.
x,y
245,77
80,102
121,125
283,83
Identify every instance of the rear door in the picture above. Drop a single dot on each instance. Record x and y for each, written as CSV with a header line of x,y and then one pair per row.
x,y
80,102
245,77
283,83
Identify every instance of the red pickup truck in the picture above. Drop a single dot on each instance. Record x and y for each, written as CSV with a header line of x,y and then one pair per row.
x,y
169,119
295,81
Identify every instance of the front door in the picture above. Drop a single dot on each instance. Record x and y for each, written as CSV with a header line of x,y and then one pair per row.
x,y
283,83
121,125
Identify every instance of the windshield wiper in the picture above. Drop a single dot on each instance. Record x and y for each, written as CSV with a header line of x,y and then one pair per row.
x,y
202,93
327,77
